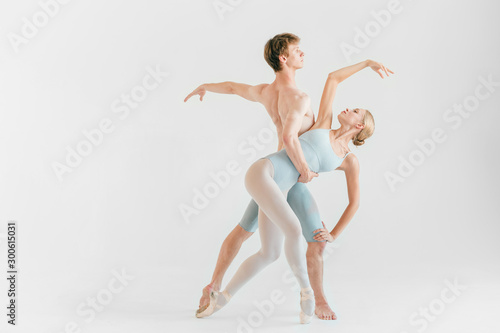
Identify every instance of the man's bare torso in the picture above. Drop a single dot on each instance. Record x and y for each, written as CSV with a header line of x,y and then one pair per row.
x,y
273,97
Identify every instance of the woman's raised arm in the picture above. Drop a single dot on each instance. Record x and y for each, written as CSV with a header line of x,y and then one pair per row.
x,y
334,78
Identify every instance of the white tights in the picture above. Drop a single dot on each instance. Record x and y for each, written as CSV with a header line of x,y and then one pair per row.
x,y
277,222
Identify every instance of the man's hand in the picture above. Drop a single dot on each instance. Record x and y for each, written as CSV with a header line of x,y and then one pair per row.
x,y
306,177
201,90
377,67
323,234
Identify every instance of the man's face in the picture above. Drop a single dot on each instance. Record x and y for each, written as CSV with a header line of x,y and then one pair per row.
x,y
295,57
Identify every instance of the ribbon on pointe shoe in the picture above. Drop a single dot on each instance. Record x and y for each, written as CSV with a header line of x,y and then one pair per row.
x,y
305,295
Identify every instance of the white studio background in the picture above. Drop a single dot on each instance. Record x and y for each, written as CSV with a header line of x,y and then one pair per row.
x,y
116,211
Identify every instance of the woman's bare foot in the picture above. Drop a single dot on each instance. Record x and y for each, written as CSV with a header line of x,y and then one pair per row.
x,y
205,297
323,311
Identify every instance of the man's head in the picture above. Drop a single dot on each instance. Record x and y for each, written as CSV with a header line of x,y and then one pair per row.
x,y
283,50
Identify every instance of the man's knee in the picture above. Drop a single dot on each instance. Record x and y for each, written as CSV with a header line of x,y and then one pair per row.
x,y
315,249
239,234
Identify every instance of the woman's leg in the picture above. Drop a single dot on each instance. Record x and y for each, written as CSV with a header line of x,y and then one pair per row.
x,y
267,194
275,215
271,239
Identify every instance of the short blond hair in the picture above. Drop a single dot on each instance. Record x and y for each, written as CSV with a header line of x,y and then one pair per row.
x,y
276,46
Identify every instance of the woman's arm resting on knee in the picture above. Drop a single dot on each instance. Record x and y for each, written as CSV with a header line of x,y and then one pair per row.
x,y
352,176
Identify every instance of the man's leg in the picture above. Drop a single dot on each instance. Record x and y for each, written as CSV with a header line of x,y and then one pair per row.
x,y
304,206
315,270
230,248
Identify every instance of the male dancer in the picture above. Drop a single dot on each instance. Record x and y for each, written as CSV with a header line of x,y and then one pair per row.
x,y
290,110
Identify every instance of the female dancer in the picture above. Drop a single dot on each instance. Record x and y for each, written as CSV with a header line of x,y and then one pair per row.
x,y
269,179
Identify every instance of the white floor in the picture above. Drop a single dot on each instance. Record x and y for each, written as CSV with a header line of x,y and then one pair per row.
x,y
363,303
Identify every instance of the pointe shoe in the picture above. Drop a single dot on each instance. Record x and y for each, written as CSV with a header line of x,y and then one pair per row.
x,y
304,317
209,308
212,307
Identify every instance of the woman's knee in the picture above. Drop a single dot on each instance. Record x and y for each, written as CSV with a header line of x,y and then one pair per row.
x,y
270,255
293,231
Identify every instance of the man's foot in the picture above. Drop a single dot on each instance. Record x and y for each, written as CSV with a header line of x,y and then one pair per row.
x,y
323,311
205,297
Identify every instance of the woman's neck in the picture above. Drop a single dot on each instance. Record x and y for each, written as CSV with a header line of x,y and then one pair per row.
x,y
343,136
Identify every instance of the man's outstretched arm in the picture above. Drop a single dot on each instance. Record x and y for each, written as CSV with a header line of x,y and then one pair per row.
x,y
251,93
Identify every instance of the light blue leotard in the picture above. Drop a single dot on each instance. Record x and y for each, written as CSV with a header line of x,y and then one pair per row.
x,y
320,157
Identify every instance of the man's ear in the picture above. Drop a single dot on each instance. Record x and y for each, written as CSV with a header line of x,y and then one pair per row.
x,y
282,58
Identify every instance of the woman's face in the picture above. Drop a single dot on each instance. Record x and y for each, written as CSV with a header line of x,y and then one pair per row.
x,y
351,117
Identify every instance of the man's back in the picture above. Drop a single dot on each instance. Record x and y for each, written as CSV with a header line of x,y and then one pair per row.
x,y
277,99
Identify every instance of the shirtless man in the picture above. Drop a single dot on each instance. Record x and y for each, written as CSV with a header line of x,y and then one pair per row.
x,y
290,110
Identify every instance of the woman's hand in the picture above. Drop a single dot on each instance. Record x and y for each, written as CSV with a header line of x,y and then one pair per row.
x,y
323,234
201,90
377,67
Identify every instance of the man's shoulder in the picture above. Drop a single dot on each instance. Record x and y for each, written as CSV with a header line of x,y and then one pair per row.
x,y
294,95
262,85
293,91
262,88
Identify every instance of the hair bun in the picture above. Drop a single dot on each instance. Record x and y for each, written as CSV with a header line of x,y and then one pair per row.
x,y
358,142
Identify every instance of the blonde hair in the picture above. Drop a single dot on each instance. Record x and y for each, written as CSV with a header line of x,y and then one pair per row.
x,y
367,131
